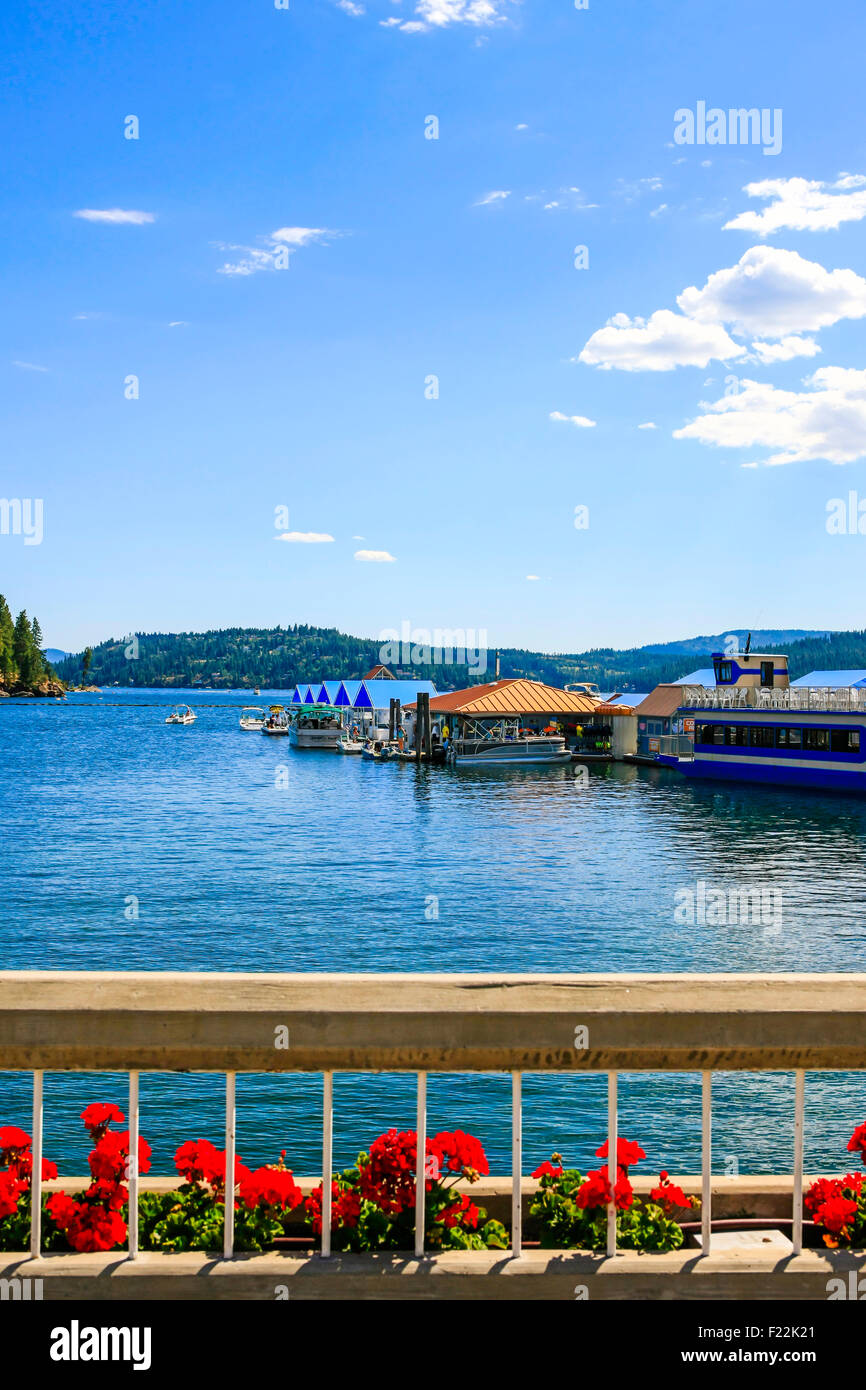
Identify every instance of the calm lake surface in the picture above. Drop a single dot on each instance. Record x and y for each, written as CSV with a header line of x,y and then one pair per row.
x,y
107,812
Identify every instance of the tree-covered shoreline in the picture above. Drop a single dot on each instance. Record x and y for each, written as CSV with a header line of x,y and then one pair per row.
x,y
24,668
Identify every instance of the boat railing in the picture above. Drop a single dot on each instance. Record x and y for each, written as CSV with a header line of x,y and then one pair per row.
x,y
609,1024
801,698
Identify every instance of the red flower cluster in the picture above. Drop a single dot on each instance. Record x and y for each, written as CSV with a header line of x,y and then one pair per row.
x,y
668,1195
345,1207
628,1151
199,1161
93,1221
830,1207
463,1212
459,1153
548,1170
388,1176
11,1188
857,1142
595,1190
270,1187
13,1141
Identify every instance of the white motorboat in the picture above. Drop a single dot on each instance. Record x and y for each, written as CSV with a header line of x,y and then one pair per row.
x,y
252,717
316,726
181,714
277,722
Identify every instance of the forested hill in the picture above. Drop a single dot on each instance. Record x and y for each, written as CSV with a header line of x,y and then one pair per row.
x,y
278,658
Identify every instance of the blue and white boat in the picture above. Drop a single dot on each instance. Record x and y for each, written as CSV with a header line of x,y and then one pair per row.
x,y
754,726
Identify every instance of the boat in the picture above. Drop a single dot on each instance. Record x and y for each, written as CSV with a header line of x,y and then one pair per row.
x,y
316,726
374,750
249,717
347,744
277,721
504,742
753,726
181,714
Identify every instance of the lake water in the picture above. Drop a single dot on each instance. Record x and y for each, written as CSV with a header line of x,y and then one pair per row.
x,y
106,811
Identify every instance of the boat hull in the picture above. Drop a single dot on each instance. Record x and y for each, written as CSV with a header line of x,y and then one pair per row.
x,y
489,753
821,779
315,738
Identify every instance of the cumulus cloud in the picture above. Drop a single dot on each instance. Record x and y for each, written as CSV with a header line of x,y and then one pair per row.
x,y
349,7
827,420
274,252
769,294
772,293
375,557
117,216
304,537
658,344
439,14
803,205
580,420
648,425
785,349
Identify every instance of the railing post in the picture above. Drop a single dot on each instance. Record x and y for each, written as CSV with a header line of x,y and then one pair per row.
x,y
799,1136
229,1189
706,1160
327,1157
611,1159
516,1163
421,1163
36,1171
132,1161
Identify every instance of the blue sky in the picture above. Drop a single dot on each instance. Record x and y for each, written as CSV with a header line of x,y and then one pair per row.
x,y
283,260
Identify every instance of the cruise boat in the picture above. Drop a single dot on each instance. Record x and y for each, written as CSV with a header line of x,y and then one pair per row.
x,y
181,714
316,726
753,726
252,717
277,722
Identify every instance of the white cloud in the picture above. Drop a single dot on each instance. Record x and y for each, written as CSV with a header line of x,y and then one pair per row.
x,y
580,420
116,216
359,538
304,537
29,367
349,7
522,126
772,293
278,245
657,212
826,421
532,576
804,205
376,557
658,344
648,425
498,196
785,349
439,14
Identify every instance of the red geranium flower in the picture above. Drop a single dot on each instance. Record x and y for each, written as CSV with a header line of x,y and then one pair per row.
x,y
11,1188
24,1167
459,1153
462,1213
272,1187
594,1191
98,1117
345,1207
836,1214
857,1142
628,1151
92,1227
668,1195
547,1170
13,1141
197,1160
62,1208
108,1161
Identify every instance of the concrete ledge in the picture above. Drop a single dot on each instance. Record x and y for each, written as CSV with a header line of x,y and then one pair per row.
x,y
470,1276
128,1020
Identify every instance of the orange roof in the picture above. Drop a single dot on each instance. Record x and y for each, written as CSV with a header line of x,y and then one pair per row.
x,y
379,673
662,702
514,696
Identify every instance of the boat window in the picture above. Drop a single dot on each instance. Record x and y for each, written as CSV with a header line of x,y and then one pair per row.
x,y
762,736
737,735
845,740
766,673
816,738
724,673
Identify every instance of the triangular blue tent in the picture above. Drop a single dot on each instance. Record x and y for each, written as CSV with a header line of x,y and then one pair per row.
x,y
362,699
296,697
323,698
309,698
342,696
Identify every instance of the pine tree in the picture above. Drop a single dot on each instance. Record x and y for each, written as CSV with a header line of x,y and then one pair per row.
x,y
7,629
22,650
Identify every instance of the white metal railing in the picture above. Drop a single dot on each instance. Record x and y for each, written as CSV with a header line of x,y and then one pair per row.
x,y
825,699
129,1022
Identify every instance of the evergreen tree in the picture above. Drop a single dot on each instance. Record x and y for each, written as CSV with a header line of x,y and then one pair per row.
x,y
7,629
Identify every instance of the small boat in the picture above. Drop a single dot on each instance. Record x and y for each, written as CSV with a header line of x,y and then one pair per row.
x,y
252,717
277,721
373,751
503,742
181,714
316,726
347,744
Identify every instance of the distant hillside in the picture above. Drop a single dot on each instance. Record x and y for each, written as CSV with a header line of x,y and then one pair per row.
x,y
278,658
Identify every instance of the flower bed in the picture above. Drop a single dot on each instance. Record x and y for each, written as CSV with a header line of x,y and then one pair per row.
x,y
372,1203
